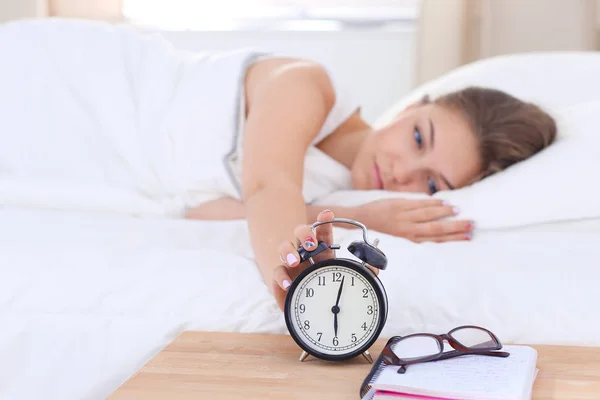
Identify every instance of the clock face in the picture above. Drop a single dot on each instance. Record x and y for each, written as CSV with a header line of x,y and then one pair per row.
x,y
335,310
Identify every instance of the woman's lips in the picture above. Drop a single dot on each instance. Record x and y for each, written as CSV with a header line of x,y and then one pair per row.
x,y
377,176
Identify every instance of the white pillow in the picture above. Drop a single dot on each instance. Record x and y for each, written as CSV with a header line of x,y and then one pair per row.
x,y
557,184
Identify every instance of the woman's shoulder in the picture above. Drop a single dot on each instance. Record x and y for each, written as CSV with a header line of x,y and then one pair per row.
x,y
273,69
339,97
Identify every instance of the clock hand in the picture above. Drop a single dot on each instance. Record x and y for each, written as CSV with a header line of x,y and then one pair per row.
x,y
337,302
335,324
336,309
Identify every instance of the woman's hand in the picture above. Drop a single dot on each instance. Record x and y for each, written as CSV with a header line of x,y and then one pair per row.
x,y
419,220
284,274
288,252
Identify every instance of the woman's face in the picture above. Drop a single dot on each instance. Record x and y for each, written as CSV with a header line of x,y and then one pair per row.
x,y
427,148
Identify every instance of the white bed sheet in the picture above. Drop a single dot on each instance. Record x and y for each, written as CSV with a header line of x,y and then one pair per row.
x,y
87,298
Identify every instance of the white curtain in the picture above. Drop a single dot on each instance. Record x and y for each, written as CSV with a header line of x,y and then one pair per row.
x,y
451,33
110,10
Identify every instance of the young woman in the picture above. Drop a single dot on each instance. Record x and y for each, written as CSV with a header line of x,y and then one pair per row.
x,y
242,134
294,106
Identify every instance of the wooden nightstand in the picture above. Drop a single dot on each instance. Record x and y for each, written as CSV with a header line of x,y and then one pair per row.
x,y
210,365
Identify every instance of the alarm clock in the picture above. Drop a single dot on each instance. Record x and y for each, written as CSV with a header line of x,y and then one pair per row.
x,y
336,308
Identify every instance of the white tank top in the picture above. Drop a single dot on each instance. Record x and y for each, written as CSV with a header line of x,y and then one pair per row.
x,y
322,174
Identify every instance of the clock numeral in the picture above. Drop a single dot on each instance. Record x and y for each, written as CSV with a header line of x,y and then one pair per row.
x,y
364,326
365,292
337,276
369,310
353,337
320,335
335,341
310,292
307,324
352,284
302,308
321,281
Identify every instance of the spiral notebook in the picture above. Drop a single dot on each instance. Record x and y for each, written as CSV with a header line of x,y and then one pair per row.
x,y
471,377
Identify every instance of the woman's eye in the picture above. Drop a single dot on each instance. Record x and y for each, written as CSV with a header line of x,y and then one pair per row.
x,y
418,138
432,187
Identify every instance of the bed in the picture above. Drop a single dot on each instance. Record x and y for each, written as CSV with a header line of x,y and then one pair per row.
x,y
94,285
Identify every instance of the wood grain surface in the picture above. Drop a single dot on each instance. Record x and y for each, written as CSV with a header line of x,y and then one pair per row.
x,y
207,365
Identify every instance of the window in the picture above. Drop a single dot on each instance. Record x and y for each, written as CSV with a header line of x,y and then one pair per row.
x,y
235,14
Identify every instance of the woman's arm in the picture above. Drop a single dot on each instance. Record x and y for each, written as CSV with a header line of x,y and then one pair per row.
x,y
288,103
228,208
225,208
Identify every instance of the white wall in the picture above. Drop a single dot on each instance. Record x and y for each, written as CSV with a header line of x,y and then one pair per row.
x,y
17,9
378,64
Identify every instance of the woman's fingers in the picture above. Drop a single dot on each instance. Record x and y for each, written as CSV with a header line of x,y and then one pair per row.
x,y
288,251
324,233
281,276
446,238
445,231
425,214
288,254
373,269
441,228
412,204
307,238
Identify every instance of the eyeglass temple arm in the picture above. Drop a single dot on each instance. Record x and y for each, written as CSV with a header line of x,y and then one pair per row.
x,y
392,359
456,353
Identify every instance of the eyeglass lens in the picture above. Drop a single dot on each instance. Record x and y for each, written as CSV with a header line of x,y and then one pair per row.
x,y
474,338
415,347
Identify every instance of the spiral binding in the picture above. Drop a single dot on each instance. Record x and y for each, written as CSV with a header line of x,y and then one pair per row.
x,y
376,371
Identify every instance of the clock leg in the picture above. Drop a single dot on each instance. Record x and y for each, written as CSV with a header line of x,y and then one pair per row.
x,y
367,356
303,356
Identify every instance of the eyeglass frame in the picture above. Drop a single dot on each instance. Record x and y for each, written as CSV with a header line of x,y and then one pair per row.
x,y
390,358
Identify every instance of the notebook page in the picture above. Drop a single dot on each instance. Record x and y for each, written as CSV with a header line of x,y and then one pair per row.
x,y
467,377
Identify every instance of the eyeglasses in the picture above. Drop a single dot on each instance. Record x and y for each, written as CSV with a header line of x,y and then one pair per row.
x,y
423,347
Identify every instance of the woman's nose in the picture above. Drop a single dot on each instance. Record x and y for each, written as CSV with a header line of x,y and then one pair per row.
x,y
407,185
405,177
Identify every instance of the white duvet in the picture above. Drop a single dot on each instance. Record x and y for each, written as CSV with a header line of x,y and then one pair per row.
x,y
87,107
95,280
86,299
